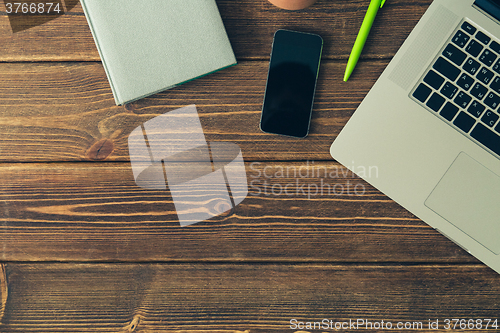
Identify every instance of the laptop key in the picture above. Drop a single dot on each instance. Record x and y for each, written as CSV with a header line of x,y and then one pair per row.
x,y
495,84
479,91
454,54
485,75
449,90
496,66
469,28
460,38
446,68
465,82
434,79
492,100
495,46
462,100
474,48
476,109
487,57
487,137
471,66
489,118
480,36
464,122
449,111
422,92
435,102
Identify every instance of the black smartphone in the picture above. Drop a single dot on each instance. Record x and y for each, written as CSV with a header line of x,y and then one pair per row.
x,y
291,83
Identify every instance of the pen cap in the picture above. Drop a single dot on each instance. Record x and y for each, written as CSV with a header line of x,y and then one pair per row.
x,y
292,4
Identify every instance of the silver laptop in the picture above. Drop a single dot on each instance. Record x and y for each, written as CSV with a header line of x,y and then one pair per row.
x,y
430,126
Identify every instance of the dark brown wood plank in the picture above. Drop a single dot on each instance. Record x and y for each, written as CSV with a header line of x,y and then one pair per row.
x,y
250,25
250,298
293,212
61,111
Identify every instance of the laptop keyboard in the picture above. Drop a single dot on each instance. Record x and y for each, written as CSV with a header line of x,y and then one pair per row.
x,y
463,85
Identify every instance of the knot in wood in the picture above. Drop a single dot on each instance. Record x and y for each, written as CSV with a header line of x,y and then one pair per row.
x,y
100,150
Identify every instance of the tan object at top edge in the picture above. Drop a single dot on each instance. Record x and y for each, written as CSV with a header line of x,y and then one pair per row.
x,y
292,4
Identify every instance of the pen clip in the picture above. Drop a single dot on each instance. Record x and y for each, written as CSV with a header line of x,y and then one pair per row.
x,y
382,3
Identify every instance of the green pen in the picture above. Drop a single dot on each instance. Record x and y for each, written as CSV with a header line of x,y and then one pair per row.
x,y
362,36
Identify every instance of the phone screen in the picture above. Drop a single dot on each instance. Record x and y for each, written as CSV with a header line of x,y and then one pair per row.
x,y
291,83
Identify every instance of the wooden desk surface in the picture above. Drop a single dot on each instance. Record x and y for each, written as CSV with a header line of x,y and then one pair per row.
x,y
83,249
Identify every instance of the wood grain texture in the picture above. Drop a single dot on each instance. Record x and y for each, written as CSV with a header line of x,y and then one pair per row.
x,y
250,25
84,249
252,298
4,291
294,211
60,111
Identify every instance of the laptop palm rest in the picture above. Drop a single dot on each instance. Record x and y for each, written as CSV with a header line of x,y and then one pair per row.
x,y
467,197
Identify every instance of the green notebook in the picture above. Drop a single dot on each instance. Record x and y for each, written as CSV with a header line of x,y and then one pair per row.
x,y
150,46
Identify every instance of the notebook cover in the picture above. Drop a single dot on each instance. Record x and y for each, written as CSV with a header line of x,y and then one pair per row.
x,y
149,46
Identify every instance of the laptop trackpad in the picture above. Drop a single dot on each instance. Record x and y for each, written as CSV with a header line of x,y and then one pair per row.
x,y
468,196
